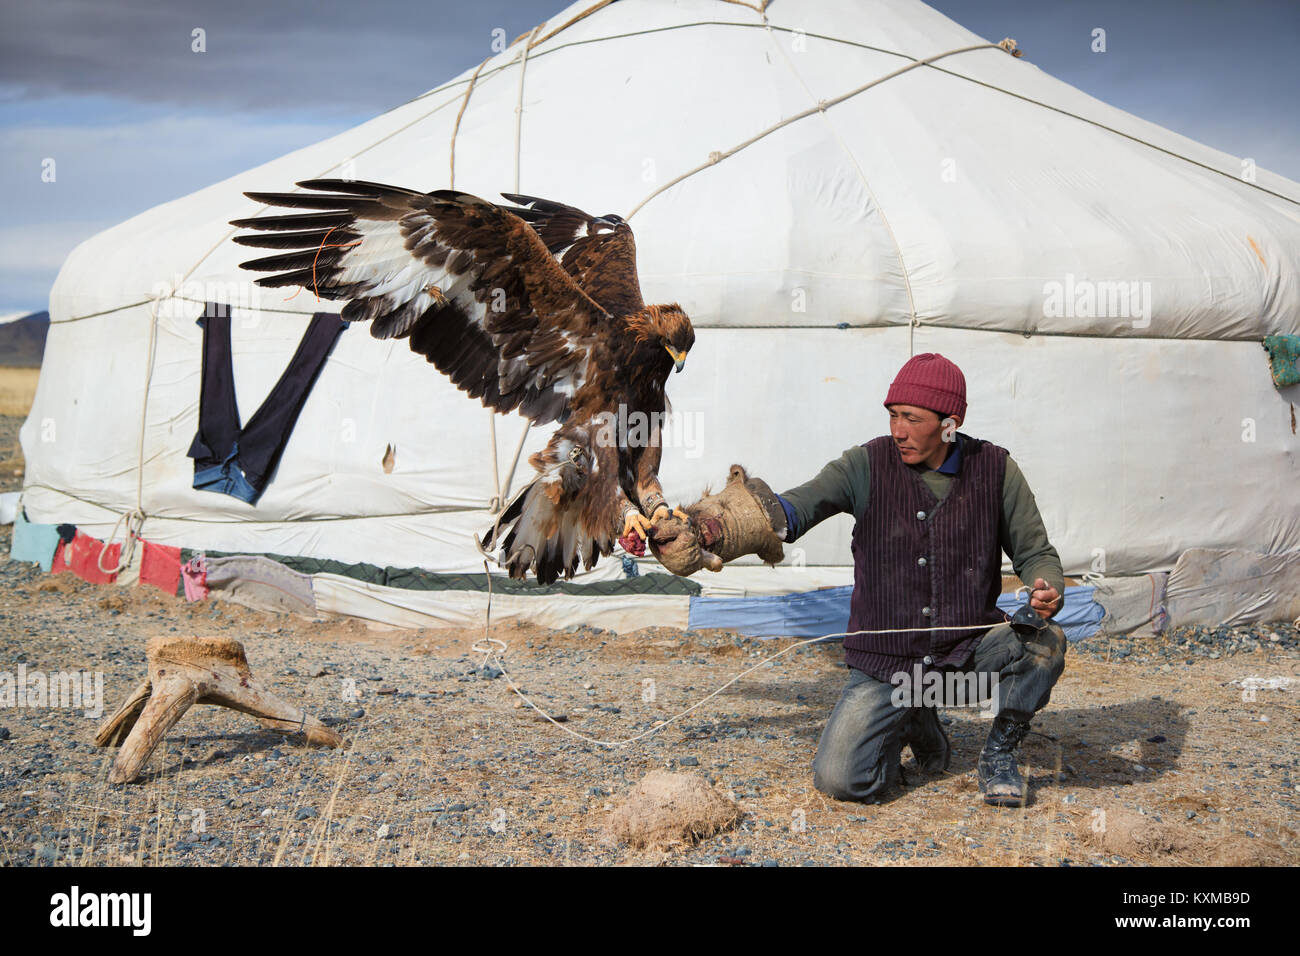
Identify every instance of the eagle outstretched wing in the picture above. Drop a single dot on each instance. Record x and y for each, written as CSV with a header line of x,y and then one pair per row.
x,y
598,251
468,283
535,308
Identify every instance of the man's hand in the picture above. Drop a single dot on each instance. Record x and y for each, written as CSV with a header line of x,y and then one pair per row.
x,y
1044,599
744,518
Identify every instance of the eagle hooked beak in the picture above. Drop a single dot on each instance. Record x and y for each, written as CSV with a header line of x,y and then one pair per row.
x,y
679,358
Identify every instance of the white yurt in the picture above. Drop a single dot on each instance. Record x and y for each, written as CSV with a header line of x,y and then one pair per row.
x,y
827,187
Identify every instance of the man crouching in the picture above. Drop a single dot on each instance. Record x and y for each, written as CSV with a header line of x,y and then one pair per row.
x,y
935,509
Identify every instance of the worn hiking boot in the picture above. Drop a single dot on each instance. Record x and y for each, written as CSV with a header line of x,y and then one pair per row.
x,y
1000,779
924,734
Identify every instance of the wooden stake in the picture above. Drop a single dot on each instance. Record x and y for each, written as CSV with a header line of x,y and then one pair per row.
x,y
184,671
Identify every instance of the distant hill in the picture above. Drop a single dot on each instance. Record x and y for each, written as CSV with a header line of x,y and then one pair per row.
x,y
22,341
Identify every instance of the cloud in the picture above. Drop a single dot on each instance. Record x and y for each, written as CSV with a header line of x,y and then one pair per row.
x,y
42,247
109,173
323,59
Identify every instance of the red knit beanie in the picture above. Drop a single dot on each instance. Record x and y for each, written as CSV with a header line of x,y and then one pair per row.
x,y
930,381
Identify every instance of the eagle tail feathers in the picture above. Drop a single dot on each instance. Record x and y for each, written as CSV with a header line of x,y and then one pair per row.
x,y
541,530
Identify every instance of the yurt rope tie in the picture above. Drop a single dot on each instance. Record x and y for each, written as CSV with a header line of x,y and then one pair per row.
x,y
455,129
134,522
567,23
1097,581
492,647
519,101
135,516
500,490
1008,45
913,322
495,503
514,461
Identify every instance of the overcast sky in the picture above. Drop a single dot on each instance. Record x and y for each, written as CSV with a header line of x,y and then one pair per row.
x,y
111,89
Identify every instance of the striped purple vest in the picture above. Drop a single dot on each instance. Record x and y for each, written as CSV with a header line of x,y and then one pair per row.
x,y
919,562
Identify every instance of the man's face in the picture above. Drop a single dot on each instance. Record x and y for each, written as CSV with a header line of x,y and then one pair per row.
x,y
918,434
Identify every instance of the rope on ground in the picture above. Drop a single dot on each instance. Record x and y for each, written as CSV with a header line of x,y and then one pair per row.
x,y
491,647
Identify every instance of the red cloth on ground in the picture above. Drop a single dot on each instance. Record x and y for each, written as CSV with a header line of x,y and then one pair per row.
x,y
82,559
160,565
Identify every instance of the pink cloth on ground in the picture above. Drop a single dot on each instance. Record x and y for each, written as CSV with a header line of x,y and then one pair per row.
x,y
195,575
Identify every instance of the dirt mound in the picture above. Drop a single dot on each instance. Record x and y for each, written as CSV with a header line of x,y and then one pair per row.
x,y
1130,834
665,809
1241,850
59,584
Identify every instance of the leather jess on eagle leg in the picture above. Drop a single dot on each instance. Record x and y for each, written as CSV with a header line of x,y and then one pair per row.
x,y
745,517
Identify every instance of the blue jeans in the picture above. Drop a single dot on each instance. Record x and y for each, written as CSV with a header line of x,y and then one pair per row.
x,y
858,755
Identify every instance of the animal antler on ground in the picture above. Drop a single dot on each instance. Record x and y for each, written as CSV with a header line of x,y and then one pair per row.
x,y
184,671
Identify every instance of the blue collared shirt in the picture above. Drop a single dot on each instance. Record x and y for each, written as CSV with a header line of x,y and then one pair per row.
x,y
952,464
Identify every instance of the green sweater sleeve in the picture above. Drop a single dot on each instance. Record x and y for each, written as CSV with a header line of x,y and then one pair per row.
x,y
1022,534
840,487
843,486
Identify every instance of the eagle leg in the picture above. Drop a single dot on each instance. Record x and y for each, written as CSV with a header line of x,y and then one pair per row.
x,y
662,513
636,522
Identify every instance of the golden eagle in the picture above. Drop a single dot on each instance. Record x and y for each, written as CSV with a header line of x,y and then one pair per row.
x,y
535,308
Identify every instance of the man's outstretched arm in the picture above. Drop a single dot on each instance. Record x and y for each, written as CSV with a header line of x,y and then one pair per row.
x,y
747,517
840,487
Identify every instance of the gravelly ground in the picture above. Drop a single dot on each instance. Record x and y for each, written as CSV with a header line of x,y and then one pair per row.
x,y
442,767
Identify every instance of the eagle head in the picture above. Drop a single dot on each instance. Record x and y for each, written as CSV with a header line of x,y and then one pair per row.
x,y
669,326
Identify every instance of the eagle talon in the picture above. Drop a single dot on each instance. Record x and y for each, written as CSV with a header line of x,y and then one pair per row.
x,y
667,513
636,522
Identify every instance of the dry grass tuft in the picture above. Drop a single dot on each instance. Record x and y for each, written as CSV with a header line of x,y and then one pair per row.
x,y
1241,850
666,809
